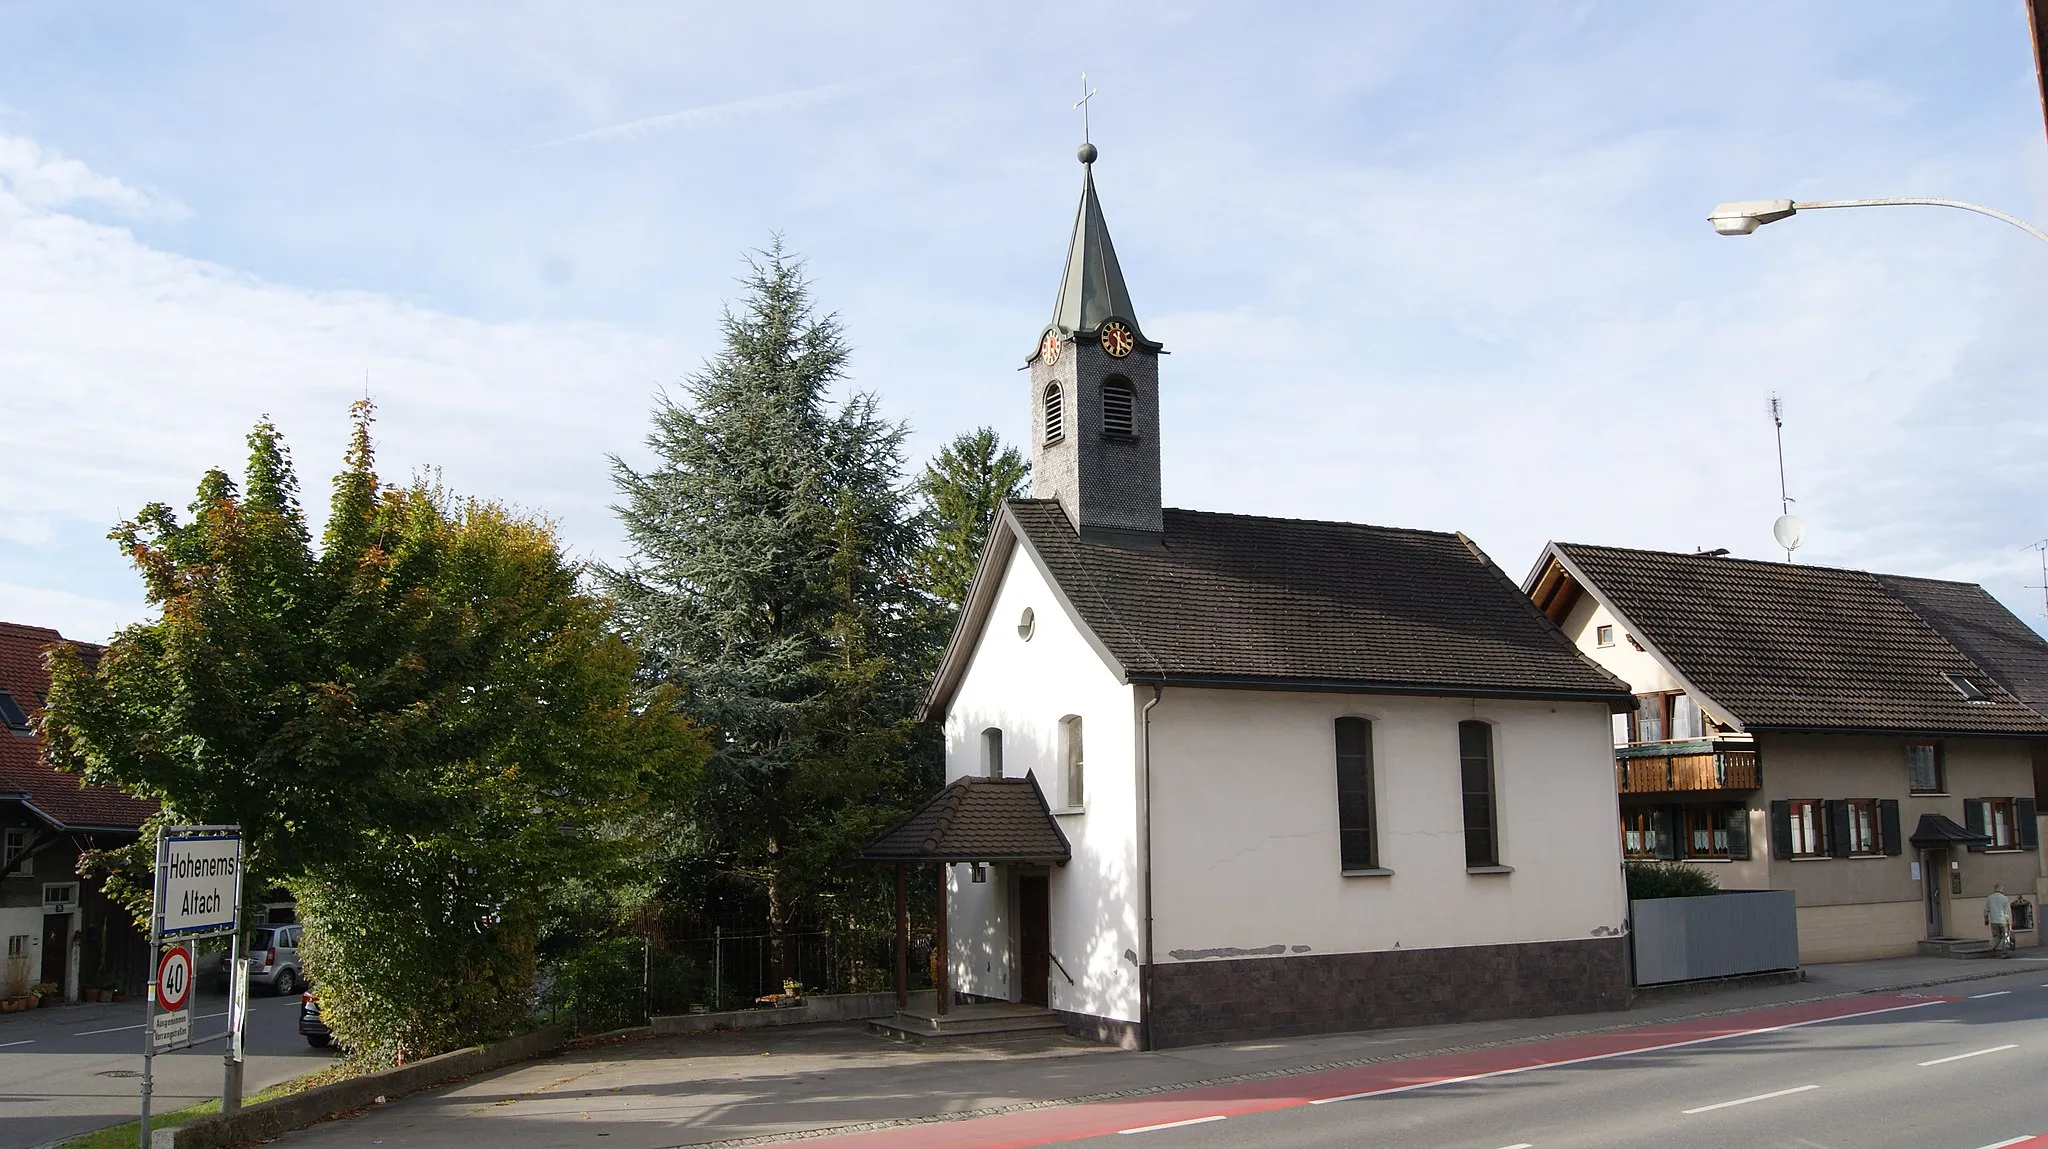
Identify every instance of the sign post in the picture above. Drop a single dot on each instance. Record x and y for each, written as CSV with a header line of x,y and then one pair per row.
x,y
198,894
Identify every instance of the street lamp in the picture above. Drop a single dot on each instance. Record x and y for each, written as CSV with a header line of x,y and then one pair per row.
x,y
1746,215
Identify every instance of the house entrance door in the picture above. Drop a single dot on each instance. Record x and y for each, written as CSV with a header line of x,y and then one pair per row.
x,y
56,948
1933,871
1034,939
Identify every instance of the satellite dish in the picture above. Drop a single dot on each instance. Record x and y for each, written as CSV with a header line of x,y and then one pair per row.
x,y
1789,532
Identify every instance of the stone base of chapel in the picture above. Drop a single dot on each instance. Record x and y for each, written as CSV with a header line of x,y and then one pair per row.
x,y
1194,1003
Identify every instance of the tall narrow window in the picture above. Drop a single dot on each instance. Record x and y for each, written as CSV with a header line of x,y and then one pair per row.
x,y
1077,772
17,845
1923,767
1118,408
1054,426
1475,772
1638,832
1685,719
992,752
1650,718
1357,830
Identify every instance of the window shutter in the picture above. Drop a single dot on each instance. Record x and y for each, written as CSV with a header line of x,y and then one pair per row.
x,y
1888,825
1738,832
1838,827
2030,833
1973,819
1781,829
1664,820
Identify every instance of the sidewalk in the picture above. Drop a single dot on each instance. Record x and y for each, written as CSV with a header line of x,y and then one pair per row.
x,y
727,1088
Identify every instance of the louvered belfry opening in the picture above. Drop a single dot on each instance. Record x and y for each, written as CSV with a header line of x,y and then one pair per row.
x,y
1118,403
1052,414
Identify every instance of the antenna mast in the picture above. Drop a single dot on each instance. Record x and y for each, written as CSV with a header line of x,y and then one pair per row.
x,y
2041,548
1788,530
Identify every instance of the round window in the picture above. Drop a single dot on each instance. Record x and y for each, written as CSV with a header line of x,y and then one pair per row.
x,y
1025,624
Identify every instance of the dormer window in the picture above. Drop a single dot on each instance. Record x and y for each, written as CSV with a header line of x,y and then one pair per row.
x,y
11,714
1970,691
1054,426
1118,409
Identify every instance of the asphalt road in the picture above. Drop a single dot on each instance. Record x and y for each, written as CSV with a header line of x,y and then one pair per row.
x,y
1964,1073
70,1069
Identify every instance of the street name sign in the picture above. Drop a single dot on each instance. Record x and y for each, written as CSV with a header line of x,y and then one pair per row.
x,y
197,883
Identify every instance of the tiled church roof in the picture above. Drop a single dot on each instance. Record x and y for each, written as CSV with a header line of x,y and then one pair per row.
x,y
1243,600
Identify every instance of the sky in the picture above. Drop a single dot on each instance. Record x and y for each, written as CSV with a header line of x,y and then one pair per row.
x,y
1434,264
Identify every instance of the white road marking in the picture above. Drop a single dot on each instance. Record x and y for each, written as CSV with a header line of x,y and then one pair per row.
x,y
2010,1141
1993,993
1617,1053
126,1028
12,1044
1747,1100
97,1032
1173,1124
1519,1145
1961,1056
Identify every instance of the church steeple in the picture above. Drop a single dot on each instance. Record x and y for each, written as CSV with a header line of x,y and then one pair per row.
x,y
1092,290
1095,392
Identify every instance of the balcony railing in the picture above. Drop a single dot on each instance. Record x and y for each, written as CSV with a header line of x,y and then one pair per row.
x,y
1672,767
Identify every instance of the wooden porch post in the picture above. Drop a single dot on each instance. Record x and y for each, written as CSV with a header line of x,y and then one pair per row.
x,y
942,947
902,942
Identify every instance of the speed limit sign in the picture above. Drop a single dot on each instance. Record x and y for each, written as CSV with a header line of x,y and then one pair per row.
x,y
174,979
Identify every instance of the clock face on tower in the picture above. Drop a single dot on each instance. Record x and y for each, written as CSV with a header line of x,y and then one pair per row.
x,y
1117,339
1049,348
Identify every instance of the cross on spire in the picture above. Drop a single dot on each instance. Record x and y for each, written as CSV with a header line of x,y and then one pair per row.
x,y
1087,94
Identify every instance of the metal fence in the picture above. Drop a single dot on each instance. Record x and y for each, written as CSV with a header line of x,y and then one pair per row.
x,y
631,979
1715,935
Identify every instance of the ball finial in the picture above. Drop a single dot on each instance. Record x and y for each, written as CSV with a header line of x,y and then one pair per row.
x,y
1086,153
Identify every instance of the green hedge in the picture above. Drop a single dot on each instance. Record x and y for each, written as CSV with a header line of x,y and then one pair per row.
x,y
1669,880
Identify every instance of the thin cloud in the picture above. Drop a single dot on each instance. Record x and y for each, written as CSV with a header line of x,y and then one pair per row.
x,y
708,114
46,178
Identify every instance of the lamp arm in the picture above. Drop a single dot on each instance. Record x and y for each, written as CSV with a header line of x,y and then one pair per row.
x,y
1980,209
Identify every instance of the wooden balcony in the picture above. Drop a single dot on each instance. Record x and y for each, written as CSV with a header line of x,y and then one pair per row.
x,y
1685,767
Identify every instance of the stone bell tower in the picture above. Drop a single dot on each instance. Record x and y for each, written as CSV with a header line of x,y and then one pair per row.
x,y
1095,393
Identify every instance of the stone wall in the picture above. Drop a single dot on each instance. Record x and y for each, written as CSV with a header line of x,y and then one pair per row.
x,y
1245,999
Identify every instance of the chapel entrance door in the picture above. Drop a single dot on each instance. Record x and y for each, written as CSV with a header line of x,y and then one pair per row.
x,y
56,948
1933,872
1034,939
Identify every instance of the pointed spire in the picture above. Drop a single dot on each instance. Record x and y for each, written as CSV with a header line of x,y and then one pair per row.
x,y
1092,291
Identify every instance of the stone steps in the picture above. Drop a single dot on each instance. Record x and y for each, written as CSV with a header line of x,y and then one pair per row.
x,y
967,1023
1956,947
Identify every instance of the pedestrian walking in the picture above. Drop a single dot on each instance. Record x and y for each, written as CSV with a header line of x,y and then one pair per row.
x,y
1998,915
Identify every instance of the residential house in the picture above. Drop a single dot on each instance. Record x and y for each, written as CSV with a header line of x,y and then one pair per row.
x,y
1870,742
1218,776
57,926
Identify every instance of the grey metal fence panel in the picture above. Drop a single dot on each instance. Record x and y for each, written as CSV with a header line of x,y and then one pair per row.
x,y
1718,935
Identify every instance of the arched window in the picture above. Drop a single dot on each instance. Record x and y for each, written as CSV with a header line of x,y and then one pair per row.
x,y
1054,425
1475,776
1077,773
1119,403
1357,833
992,752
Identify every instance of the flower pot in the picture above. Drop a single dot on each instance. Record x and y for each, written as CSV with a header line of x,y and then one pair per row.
x,y
120,996
90,994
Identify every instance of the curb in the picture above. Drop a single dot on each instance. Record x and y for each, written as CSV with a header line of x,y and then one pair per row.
x,y
1290,1071
267,1120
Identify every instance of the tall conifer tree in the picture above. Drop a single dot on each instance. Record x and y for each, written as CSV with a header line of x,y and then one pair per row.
x,y
963,486
770,582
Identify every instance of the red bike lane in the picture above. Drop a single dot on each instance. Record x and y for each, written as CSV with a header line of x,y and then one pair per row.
x,y
1054,1124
